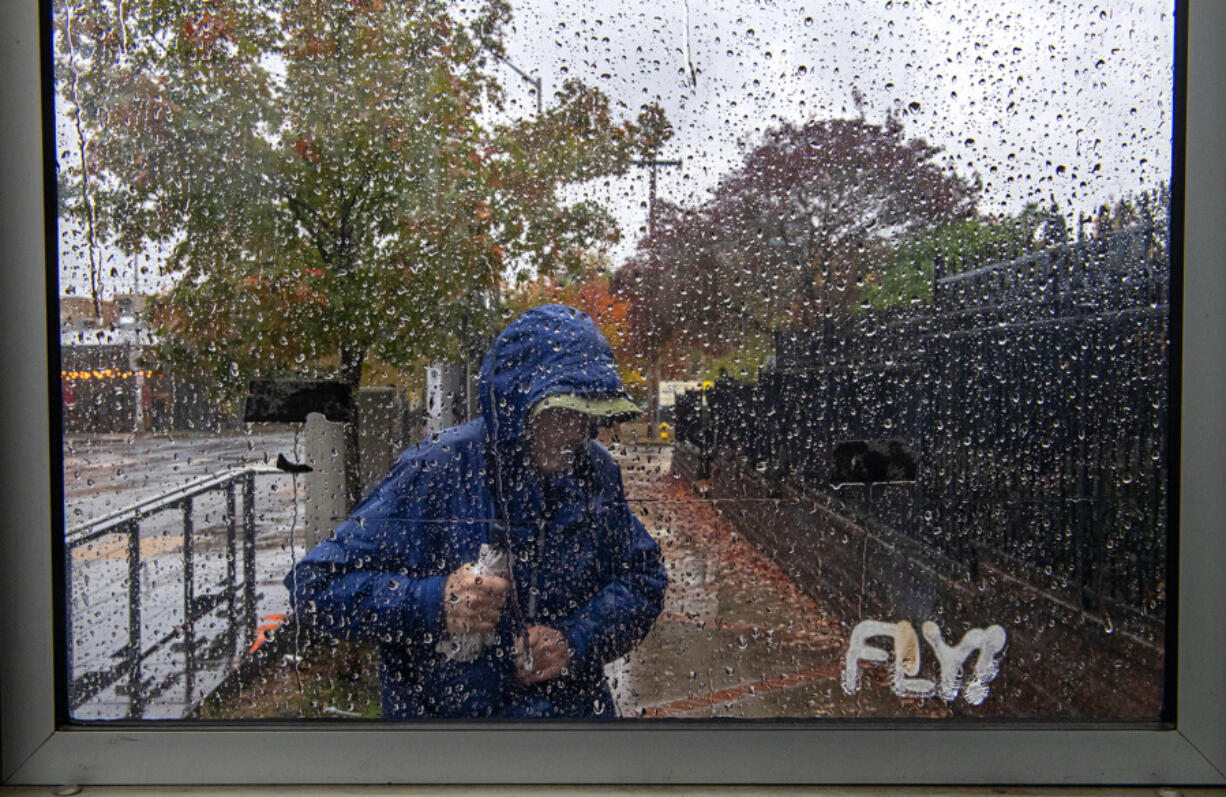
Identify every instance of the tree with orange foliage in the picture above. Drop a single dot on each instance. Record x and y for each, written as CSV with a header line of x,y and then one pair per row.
x,y
592,295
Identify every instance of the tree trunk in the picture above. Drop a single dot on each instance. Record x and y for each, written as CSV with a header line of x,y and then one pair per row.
x,y
351,375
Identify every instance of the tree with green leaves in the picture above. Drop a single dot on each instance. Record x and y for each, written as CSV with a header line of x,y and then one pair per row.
x,y
325,174
906,272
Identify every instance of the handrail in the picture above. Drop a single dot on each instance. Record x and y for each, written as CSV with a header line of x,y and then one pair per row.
x,y
91,530
237,487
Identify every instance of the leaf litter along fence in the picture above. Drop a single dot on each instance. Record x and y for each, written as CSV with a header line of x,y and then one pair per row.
x,y
1031,400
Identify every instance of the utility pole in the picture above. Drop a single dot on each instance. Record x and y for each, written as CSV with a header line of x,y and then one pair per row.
x,y
653,396
652,163
135,358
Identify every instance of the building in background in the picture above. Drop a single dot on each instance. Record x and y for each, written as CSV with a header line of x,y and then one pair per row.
x,y
110,379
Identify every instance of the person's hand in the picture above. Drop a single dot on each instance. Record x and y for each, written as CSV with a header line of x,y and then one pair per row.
x,y
473,602
550,656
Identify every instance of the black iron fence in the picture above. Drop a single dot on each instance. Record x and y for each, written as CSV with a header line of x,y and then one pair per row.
x,y
109,565
1011,423
1122,268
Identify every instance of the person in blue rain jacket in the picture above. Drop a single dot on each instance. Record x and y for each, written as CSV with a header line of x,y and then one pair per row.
x,y
585,580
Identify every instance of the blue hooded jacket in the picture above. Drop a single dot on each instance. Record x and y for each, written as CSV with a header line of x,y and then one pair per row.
x,y
583,563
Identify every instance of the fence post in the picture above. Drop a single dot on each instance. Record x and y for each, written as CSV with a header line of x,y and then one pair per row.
x,y
938,274
135,700
325,501
189,599
249,556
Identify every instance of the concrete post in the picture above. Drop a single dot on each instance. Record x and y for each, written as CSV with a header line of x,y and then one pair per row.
x,y
325,484
380,432
446,396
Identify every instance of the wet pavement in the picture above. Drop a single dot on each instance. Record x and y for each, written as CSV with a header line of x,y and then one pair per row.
x,y
737,638
105,473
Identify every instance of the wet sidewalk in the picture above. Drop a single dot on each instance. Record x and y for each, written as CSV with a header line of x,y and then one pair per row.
x,y
737,638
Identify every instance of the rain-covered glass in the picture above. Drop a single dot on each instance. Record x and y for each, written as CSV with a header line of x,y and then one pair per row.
x,y
609,361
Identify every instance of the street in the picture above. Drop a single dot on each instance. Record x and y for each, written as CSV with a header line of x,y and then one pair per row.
x,y
103,473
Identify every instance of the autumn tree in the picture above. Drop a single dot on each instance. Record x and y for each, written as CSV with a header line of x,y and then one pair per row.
x,y
814,207
789,235
323,176
589,292
671,283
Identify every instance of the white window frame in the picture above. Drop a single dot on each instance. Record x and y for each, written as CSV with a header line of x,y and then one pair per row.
x,y
33,750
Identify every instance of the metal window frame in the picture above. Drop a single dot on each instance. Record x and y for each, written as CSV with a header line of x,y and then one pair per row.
x,y
33,750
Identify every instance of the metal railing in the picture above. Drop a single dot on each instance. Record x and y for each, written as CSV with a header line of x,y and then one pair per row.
x,y
1126,267
239,599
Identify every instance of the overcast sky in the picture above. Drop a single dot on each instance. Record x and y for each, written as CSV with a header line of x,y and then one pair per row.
x,y
1031,96
1064,100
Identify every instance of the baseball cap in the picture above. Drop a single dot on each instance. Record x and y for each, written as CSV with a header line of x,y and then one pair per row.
x,y
606,410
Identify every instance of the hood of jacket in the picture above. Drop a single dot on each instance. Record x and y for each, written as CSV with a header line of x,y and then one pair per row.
x,y
546,351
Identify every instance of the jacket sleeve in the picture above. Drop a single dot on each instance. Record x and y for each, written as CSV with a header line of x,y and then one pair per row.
x,y
365,583
621,613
